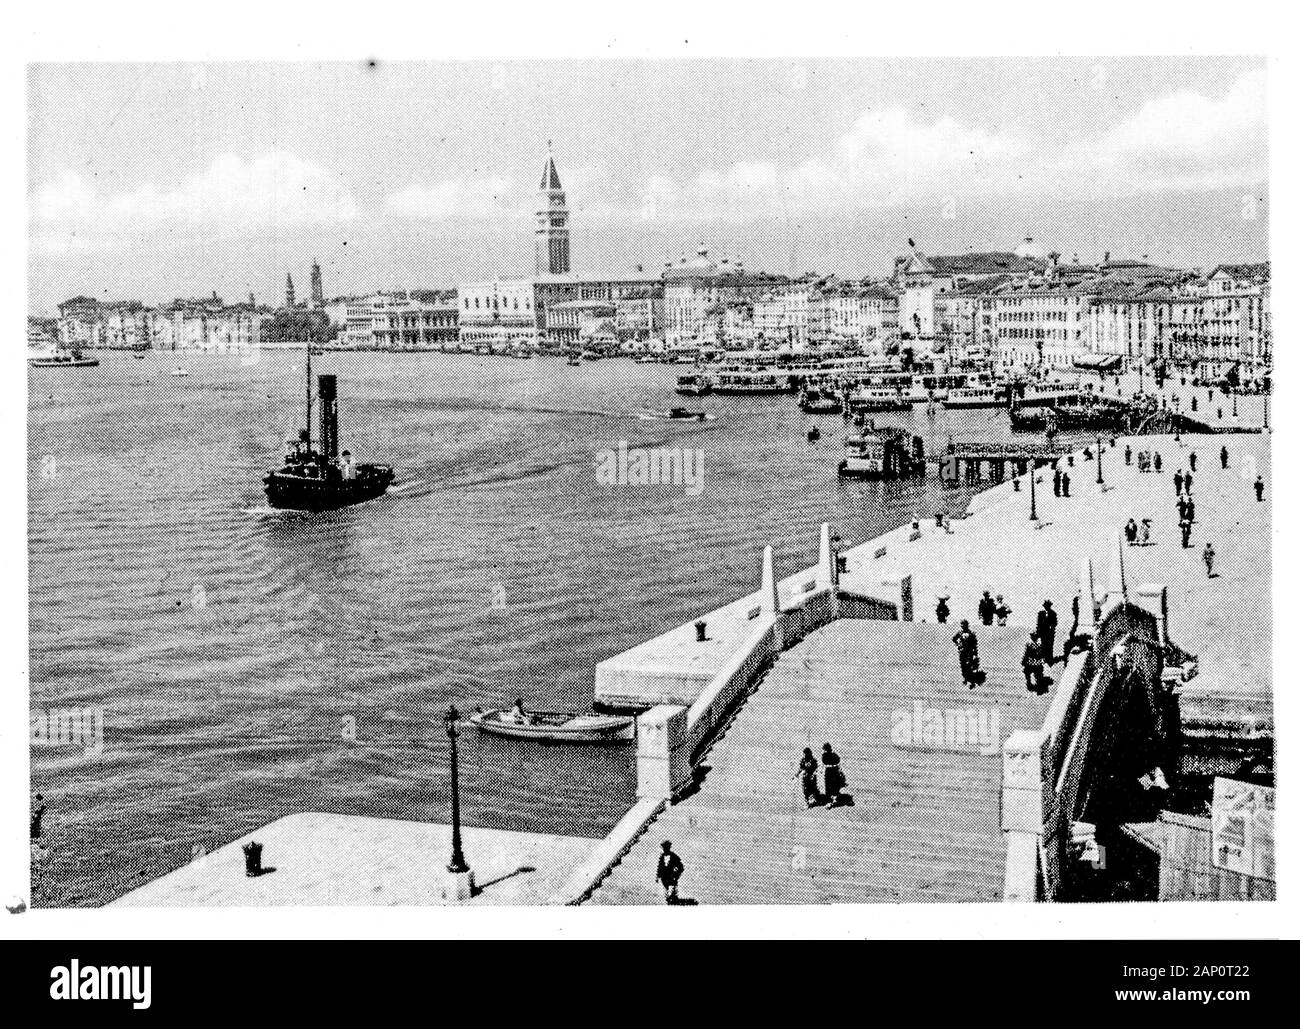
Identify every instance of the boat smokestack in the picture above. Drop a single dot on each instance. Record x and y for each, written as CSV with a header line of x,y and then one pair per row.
x,y
329,416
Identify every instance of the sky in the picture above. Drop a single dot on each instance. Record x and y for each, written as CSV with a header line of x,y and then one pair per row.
x,y
153,181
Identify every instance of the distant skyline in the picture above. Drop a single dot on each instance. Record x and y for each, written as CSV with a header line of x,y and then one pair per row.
x,y
164,180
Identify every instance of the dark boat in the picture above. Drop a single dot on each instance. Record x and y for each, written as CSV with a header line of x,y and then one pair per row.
x,y
317,479
685,414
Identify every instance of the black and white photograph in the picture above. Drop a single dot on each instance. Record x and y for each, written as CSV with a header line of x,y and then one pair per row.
x,y
689,479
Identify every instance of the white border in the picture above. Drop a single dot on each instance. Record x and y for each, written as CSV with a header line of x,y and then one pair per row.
x,y
332,31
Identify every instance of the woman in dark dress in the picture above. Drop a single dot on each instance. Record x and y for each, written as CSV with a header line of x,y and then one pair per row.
x,y
834,777
808,778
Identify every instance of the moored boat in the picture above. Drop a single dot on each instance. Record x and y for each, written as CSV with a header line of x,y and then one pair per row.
x,y
59,358
694,385
555,726
976,396
879,399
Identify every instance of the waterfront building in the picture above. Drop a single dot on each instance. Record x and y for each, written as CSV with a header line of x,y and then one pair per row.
x,y
1209,323
1041,323
861,317
408,320
415,320
204,323
704,299
498,315
639,313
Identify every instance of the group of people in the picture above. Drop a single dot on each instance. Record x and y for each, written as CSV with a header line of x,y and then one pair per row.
x,y
1147,460
1040,650
1060,482
830,793
990,608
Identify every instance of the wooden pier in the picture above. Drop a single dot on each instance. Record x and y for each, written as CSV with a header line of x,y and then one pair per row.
x,y
990,462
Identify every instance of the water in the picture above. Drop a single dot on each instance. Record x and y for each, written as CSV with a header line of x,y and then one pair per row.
x,y
252,664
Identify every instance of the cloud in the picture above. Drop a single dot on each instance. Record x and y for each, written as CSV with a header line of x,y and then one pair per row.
x,y
885,158
1185,141
889,159
489,197
232,195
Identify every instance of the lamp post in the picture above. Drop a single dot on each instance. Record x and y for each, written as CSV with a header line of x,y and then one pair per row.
x,y
458,865
1033,497
1100,480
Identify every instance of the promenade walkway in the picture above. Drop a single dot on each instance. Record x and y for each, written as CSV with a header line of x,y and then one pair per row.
x,y
1225,620
326,859
924,823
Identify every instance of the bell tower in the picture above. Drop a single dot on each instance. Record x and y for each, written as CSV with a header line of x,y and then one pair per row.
x,y
552,222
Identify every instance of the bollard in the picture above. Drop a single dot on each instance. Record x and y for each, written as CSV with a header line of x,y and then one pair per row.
x,y
701,631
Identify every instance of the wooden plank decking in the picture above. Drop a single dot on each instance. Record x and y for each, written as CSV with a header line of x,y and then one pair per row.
x,y
925,823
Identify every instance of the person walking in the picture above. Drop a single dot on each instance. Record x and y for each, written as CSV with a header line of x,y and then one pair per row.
x,y
1178,482
1128,454
1065,484
968,655
1155,461
1047,632
941,611
668,872
1191,510
1185,527
986,608
1223,457
807,776
833,776
1056,482
1191,460
38,813
1207,555
1259,487
1131,532
1001,611
1187,484
1032,664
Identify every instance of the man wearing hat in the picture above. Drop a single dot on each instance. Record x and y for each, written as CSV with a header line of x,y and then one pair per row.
x,y
669,871
1046,628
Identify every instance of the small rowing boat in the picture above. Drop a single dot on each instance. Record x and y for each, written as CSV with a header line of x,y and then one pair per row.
x,y
555,726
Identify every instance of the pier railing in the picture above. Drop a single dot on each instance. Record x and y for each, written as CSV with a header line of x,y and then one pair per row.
x,y
1047,773
671,738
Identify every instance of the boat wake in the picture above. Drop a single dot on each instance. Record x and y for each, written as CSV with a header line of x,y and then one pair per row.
x,y
403,487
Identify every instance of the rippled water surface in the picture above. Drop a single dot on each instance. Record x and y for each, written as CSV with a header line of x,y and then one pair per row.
x,y
251,664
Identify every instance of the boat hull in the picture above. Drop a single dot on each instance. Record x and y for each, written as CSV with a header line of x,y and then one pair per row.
x,y
300,493
557,727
